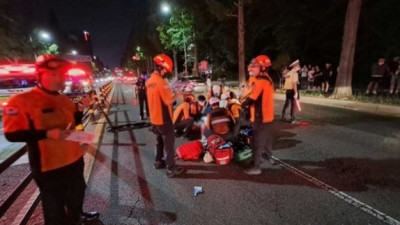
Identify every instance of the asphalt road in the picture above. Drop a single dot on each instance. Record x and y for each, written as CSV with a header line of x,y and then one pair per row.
x,y
336,167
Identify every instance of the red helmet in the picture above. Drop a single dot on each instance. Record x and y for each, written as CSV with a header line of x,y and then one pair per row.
x,y
164,61
261,60
41,59
50,61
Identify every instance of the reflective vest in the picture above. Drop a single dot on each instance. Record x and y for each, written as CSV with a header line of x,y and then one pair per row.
x,y
37,110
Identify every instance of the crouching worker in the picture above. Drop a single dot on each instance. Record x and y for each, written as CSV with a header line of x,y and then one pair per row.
x,y
182,120
43,118
219,121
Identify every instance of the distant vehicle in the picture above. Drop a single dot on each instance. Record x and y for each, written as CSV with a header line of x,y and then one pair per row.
x,y
78,80
130,79
102,80
15,78
199,84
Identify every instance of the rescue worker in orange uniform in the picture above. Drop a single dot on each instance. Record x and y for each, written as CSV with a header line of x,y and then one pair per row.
x,y
43,118
262,99
182,119
219,121
160,100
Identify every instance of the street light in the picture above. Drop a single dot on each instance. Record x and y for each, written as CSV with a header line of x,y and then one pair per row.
x,y
74,52
165,8
45,35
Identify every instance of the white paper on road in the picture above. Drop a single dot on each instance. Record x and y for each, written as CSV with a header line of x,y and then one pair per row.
x,y
81,136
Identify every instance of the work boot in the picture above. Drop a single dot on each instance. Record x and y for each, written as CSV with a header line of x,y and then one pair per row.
x,y
174,171
253,171
88,216
160,165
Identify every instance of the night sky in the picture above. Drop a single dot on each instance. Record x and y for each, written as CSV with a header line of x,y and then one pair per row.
x,y
108,22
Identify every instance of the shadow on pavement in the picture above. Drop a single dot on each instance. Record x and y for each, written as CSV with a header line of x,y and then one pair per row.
x,y
129,211
351,174
345,174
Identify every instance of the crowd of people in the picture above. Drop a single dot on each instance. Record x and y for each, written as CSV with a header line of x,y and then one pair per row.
x,y
381,71
383,77
315,78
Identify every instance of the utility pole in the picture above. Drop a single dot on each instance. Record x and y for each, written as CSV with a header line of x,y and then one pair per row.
x,y
241,56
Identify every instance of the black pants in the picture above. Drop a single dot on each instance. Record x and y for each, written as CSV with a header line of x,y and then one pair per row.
x,y
289,101
142,101
262,141
62,193
184,125
165,142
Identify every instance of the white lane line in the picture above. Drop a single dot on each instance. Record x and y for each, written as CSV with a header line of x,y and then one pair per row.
x,y
347,198
27,207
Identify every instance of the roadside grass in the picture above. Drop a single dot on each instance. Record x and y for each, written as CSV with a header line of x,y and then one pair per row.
x,y
359,96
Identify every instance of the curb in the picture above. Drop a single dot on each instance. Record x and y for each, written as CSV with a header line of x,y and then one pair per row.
x,y
386,110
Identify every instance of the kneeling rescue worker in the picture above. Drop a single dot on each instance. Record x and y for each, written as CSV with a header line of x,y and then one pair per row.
x,y
262,99
43,118
160,100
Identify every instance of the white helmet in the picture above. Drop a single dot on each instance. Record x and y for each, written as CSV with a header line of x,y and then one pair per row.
x,y
216,89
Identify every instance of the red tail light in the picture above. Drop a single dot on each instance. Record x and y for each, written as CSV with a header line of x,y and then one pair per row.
x,y
76,72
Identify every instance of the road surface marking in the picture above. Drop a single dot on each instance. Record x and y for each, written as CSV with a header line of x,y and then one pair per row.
x,y
347,198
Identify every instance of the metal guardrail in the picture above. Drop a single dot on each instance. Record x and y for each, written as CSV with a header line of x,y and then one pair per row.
x,y
105,89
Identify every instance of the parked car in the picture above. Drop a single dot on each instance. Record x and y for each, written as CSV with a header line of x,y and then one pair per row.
x,y
199,84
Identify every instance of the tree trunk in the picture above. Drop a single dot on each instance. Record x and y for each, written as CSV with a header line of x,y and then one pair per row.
x,y
175,63
195,60
185,55
241,57
345,74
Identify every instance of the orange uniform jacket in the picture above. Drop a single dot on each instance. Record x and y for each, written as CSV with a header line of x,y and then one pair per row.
x,y
27,118
181,112
263,96
235,107
158,95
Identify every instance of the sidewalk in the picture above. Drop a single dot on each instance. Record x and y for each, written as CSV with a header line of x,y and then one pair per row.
x,y
380,109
